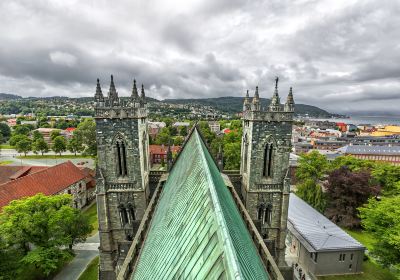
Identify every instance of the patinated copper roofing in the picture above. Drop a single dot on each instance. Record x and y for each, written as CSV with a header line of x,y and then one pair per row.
x,y
197,231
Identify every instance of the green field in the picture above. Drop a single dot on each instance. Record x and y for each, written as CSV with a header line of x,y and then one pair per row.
x,y
90,272
5,162
372,271
91,214
52,157
5,146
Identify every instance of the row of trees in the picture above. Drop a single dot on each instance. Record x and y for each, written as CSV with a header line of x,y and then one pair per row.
x,y
37,234
356,194
83,140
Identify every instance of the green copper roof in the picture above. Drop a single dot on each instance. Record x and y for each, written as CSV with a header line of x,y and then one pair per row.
x,y
197,231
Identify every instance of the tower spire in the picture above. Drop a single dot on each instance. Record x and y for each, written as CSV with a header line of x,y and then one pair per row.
x,y
256,100
289,105
135,94
112,93
99,94
275,104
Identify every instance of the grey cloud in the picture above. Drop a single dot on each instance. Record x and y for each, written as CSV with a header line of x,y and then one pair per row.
x,y
339,56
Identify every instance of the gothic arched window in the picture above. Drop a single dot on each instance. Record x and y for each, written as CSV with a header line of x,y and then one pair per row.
x,y
123,215
121,158
268,158
131,210
260,213
268,214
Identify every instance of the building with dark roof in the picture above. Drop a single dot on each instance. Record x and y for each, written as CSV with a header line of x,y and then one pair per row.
x,y
319,246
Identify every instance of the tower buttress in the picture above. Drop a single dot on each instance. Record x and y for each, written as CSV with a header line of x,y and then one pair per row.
x,y
122,175
266,145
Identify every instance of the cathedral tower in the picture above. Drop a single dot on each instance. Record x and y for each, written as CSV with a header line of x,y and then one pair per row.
x,y
122,173
266,145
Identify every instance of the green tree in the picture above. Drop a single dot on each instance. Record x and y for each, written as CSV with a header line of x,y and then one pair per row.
x,y
5,131
86,134
388,176
22,129
36,135
74,145
16,138
59,145
183,131
382,220
312,193
163,137
39,226
24,146
54,134
311,166
178,141
232,156
354,164
40,146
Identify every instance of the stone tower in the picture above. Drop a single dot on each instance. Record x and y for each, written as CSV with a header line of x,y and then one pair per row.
x,y
122,173
266,145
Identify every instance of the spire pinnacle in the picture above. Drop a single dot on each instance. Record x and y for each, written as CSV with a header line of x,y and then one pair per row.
x,y
135,94
289,105
112,93
99,94
275,101
256,101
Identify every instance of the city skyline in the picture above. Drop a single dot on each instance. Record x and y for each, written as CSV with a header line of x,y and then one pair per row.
x,y
338,56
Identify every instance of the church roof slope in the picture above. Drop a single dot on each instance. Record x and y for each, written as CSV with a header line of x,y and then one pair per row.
x,y
197,231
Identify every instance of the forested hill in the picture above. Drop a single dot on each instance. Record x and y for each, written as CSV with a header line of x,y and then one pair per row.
x,y
7,96
230,104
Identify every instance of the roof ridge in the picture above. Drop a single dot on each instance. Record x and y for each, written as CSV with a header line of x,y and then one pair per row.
x,y
40,171
232,257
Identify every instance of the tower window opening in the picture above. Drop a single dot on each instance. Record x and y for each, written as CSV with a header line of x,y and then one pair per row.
x,y
268,215
119,159
260,212
125,171
123,215
267,168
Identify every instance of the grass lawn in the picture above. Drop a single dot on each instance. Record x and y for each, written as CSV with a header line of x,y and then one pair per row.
x,y
5,162
91,214
363,237
51,156
372,271
5,146
91,270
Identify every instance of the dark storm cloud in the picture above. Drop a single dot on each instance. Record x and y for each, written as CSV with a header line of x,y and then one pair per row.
x,y
341,55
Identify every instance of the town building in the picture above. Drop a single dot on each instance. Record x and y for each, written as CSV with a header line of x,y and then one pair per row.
x,y
12,172
318,246
390,154
193,221
57,179
387,131
215,127
158,153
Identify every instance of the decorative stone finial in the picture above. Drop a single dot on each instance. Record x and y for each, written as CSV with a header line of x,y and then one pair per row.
x,y
135,94
99,94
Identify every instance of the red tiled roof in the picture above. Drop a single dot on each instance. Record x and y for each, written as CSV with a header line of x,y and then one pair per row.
x,y
49,181
11,172
162,150
70,129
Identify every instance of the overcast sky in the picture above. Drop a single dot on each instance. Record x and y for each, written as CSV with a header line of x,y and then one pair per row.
x,y
341,55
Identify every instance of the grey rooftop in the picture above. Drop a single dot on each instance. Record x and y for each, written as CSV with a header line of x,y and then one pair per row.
x,y
370,150
318,232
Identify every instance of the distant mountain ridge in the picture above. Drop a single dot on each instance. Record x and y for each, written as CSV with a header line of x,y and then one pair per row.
x,y
232,104
226,104
8,96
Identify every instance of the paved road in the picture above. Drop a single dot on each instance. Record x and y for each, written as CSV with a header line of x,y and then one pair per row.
x,y
85,253
10,155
